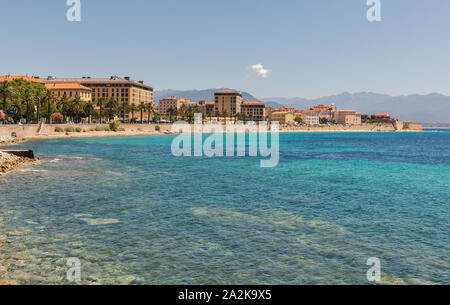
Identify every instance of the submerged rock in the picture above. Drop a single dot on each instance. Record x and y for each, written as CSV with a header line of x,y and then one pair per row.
x,y
10,162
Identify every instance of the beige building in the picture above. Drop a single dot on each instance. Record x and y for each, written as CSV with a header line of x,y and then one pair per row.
x,y
254,110
121,89
229,101
310,117
172,102
347,117
70,90
282,117
166,103
206,108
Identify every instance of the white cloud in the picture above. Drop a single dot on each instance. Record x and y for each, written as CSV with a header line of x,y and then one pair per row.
x,y
260,70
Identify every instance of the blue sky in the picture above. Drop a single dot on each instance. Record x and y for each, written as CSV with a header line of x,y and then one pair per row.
x,y
312,47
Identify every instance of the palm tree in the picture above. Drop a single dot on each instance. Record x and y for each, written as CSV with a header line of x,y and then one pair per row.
x,y
38,102
133,108
63,105
77,106
50,98
225,115
100,103
141,108
171,111
150,109
6,91
27,101
16,108
125,108
112,105
88,108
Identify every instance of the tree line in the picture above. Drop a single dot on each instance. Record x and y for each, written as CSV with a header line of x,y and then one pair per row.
x,y
28,102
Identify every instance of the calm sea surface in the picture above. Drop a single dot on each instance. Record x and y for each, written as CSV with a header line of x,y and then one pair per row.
x,y
134,214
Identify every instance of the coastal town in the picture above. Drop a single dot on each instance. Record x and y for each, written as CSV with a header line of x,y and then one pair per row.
x,y
33,100
46,108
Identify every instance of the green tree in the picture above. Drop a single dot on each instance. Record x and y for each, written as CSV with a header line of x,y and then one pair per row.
x,y
88,109
77,107
112,107
124,108
299,119
142,108
63,105
150,110
172,111
6,92
100,103
133,109
50,100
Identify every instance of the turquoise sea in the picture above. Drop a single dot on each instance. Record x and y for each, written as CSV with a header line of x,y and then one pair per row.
x,y
134,214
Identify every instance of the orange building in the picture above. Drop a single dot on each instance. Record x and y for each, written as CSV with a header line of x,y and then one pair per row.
x,y
70,90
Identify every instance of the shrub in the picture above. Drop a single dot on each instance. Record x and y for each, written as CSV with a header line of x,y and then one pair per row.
x,y
114,125
84,130
57,117
58,129
78,129
98,128
157,128
121,129
91,129
69,129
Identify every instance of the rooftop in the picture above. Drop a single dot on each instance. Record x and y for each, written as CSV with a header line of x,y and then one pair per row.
x,y
89,80
227,92
254,103
68,86
25,77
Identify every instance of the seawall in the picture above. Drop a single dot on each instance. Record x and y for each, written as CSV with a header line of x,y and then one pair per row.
x,y
11,134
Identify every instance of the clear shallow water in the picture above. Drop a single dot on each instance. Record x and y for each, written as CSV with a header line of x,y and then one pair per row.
x,y
134,214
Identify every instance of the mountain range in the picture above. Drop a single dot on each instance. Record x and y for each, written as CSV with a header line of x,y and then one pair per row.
x,y
431,108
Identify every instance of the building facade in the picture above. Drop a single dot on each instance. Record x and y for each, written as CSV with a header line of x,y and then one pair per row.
x,y
166,103
282,117
347,117
123,90
227,101
310,117
254,110
70,90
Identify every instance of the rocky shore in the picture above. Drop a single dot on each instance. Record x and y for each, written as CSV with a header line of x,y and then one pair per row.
x,y
9,162
7,140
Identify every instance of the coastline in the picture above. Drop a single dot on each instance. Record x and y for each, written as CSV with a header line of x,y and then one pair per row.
x,y
16,134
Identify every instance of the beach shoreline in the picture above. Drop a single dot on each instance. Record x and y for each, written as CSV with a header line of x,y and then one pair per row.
x,y
16,134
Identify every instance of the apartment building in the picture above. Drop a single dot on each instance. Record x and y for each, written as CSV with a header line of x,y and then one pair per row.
x,y
310,117
121,89
254,110
207,108
166,103
229,101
